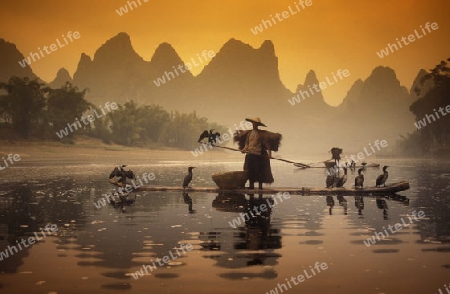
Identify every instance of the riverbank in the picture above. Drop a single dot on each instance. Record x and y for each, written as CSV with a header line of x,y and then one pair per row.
x,y
86,150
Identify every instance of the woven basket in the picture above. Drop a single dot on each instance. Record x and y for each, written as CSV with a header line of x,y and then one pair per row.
x,y
230,180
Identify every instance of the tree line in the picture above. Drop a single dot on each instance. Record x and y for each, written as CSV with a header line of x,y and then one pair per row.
x,y
30,109
433,136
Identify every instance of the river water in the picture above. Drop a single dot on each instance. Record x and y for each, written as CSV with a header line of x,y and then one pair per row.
x,y
99,249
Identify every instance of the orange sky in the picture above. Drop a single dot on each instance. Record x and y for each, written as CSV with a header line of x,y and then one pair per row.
x,y
326,36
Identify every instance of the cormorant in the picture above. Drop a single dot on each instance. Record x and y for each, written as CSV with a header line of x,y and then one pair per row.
x,y
212,137
359,180
342,180
188,178
381,180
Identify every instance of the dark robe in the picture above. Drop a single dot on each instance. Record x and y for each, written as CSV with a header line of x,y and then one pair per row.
x,y
258,165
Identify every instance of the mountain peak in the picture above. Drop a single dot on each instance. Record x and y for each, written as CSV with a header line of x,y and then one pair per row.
x,y
115,49
9,59
235,45
164,51
237,61
268,46
383,72
311,78
62,76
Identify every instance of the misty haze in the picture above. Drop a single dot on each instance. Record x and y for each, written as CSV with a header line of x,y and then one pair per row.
x,y
252,147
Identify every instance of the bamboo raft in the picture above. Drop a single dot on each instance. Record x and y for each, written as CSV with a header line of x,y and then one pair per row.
x,y
304,191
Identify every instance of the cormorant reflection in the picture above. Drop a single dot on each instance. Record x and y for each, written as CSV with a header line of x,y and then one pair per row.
x,y
331,203
359,204
188,201
343,203
381,204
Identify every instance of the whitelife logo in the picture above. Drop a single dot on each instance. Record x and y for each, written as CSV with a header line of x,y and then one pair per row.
x,y
27,242
86,120
393,229
124,9
148,268
322,85
411,38
53,47
423,123
262,208
183,68
284,15
11,158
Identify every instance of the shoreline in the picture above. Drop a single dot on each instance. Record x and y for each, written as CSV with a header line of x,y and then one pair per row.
x,y
86,150
92,151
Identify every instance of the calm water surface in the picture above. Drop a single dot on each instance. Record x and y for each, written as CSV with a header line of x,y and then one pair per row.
x,y
98,250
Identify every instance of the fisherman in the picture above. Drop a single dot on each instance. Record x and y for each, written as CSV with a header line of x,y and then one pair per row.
x,y
258,146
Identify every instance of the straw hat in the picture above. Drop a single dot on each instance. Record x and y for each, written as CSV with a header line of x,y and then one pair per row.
x,y
256,120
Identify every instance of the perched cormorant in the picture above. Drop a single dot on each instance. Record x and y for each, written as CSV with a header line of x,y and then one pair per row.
x,y
212,137
359,180
381,180
188,178
341,180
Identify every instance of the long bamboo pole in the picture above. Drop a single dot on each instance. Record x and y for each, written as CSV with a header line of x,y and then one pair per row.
x,y
298,164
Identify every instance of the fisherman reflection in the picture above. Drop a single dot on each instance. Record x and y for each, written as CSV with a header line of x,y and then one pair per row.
x,y
330,203
188,201
252,230
359,204
343,203
258,210
257,232
382,204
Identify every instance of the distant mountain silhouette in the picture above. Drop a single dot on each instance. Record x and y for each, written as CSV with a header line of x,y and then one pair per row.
x,y
238,82
62,77
9,62
375,109
381,89
113,73
350,102
312,101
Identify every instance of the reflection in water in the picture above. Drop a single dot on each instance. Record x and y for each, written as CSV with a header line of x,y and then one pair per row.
x,y
330,204
188,200
381,204
32,206
343,203
106,245
254,232
359,204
